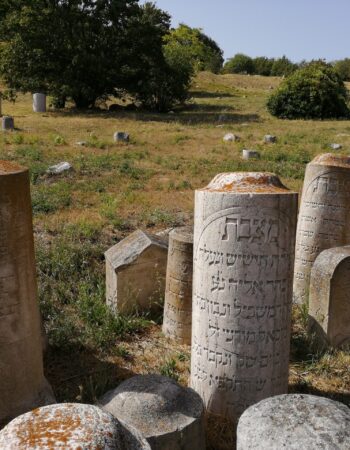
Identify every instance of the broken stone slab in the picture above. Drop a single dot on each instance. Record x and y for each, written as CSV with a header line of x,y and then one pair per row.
x,y
250,154
82,143
70,426
59,168
270,139
170,416
243,253
177,320
164,234
39,102
329,301
135,273
324,216
23,384
336,146
295,422
121,136
230,137
8,123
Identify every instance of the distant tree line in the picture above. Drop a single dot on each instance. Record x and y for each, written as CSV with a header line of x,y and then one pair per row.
x,y
89,50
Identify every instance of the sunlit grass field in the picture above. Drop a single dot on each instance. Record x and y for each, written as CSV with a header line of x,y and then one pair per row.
x,y
115,188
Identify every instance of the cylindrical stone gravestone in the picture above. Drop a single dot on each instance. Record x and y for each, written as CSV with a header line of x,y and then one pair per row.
x,y
177,320
324,216
39,103
242,293
295,422
7,123
23,386
70,426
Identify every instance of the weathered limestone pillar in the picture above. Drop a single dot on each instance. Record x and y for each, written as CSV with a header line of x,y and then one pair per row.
x,y
324,217
329,304
23,386
39,103
295,422
242,290
178,289
70,426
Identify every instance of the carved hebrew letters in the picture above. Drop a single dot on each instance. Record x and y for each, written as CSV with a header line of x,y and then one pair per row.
x,y
243,262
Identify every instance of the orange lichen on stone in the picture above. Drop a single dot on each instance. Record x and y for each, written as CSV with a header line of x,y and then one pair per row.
x,y
331,159
246,182
9,167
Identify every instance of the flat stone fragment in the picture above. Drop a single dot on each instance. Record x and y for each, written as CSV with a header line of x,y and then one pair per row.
x,y
23,385
39,102
270,139
335,146
324,216
243,254
329,302
70,426
59,168
177,321
121,136
230,137
295,422
82,143
8,123
135,273
170,416
250,154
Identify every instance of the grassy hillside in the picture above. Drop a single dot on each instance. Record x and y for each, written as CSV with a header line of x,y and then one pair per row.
x,y
148,183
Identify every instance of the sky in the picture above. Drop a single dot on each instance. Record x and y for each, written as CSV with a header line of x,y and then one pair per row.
x,y
299,29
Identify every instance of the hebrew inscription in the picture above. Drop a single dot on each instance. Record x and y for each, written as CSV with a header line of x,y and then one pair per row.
x,y
242,293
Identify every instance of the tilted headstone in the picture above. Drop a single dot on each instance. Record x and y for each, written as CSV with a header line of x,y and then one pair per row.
x,y
295,422
39,103
230,137
329,302
177,321
121,136
135,273
23,386
324,216
270,139
170,416
70,426
336,146
250,154
8,123
243,256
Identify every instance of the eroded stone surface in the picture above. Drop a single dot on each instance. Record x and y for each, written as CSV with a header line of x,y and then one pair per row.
x,y
39,102
295,422
23,386
70,426
121,136
59,168
135,273
8,123
230,137
170,416
329,303
177,320
270,139
242,290
324,217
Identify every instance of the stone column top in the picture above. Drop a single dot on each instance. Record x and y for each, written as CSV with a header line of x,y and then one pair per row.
x,y
11,168
247,183
328,260
184,234
331,159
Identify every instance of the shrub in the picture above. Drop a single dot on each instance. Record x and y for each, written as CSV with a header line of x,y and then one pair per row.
x,y
315,91
240,63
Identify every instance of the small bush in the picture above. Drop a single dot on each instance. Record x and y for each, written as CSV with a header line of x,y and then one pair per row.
x,y
313,92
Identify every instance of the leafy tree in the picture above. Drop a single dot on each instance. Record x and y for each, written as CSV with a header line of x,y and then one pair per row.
x,y
85,50
204,52
343,69
314,91
240,63
282,67
262,65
